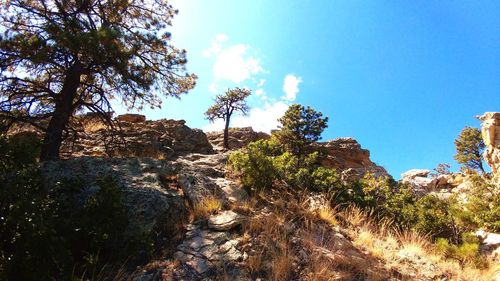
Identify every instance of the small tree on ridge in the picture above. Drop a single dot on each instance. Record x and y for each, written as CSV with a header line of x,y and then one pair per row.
x,y
226,104
470,147
300,126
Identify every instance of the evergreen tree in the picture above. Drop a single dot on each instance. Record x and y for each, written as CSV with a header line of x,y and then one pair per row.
x,y
470,147
58,57
300,126
233,100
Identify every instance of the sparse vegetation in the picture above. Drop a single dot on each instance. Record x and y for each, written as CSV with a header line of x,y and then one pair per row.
x,y
206,207
384,217
272,210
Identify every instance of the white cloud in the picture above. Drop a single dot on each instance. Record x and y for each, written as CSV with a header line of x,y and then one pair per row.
x,y
238,64
291,86
212,88
216,45
262,119
233,63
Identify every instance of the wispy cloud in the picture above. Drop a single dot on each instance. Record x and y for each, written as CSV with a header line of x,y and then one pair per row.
x,y
238,64
291,86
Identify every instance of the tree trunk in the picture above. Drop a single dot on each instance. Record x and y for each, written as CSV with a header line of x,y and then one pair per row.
x,y
226,134
481,166
62,112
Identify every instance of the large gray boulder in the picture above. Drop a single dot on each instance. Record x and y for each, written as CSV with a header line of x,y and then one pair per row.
x,y
152,206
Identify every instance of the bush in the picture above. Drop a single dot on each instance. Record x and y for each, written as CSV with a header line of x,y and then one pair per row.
x,y
18,152
58,232
467,251
255,165
432,216
265,161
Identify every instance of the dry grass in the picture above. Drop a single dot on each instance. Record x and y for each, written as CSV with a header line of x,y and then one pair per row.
x,y
328,215
407,252
206,207
282,262
245,207
295,242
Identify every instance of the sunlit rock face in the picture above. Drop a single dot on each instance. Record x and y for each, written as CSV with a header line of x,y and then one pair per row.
x,y
422,184
137,137
238,137
349,159
490,128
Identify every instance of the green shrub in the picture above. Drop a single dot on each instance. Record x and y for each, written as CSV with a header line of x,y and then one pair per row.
x,y
265,161
467,251
18,152
59,232
255,164
433,217
483,203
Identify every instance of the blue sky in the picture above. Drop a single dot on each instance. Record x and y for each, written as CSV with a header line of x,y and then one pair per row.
x,y
401,77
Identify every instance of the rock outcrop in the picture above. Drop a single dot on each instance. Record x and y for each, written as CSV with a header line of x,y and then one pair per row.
x,y
347,157
138,137
490,129
421,183
153,206
238,137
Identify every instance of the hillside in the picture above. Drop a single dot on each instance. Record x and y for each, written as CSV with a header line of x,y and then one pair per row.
x,y
181,196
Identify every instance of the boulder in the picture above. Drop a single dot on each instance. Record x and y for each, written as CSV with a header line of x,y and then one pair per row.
x,y
131,118
151,208
238,137
137,137
413,173
490,243
346,156
225,220
421,183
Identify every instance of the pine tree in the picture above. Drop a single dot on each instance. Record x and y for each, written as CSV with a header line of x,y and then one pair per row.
x,y
470,146
60,57
233,100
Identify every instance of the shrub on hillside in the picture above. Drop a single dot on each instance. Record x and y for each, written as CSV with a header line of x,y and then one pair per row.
x,y
466,251
18,152
255,164
265,161
433,216
482,207
58,232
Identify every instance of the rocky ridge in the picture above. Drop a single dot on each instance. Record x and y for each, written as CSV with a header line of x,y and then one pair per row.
x,y
135,137
209,245
347,157
238,137
159,194
343,154
490,129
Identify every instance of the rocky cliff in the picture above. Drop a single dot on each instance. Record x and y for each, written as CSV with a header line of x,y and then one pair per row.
x,y
136,137
238,137
349,159
490,128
